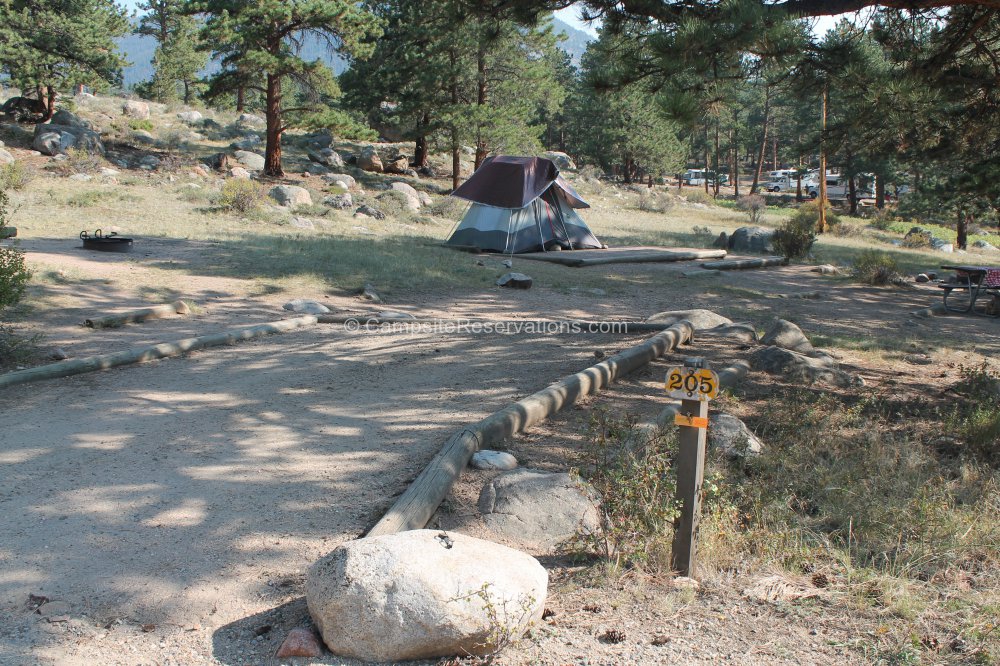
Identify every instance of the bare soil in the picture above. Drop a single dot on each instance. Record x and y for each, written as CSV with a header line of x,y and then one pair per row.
x,y
174,507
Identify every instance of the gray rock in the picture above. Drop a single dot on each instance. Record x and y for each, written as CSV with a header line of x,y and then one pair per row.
x,y
368,211
515,281
983,245
70,119
941,246
59,354
787,335
425,199
422,594
563,161
348,181
53,140
752,239
250,120
248,142
799,367
741,332
149,162
700,319
922,277
82,177
5,157
302,223
493,460
290,195
731,436
316,169
537,508
369,293
239,172
369,160
826,269
393,314
251,161
327,157
136,109
190,116
306,306
412,200
398,165
339,201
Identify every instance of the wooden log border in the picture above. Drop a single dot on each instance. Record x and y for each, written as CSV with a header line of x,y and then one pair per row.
x,y
414,508
142,314
743,264
77,366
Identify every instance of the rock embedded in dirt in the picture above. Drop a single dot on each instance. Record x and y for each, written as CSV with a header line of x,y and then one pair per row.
x,y
239,172
397,165
539,509
53,140
189,116
730,436
757,240
290,196
922,277
787,335
250,120
412,198
741,332
348,181
370,294
369,160
327,157
368,211
136,109
800,367
700,319
339,201
515,281
422,594
5,157
302,223
826,269
300,642
493,460
251,161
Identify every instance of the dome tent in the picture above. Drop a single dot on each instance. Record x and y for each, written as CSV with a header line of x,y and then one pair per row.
x,y
521,204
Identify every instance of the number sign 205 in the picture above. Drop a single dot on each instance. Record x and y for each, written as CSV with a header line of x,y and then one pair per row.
x,y
692,384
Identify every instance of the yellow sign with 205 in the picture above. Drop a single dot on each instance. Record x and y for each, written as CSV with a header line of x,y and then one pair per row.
x,y
692,384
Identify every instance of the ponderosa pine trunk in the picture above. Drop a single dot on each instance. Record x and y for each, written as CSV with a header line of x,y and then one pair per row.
x,y
852,194
879,191
420,149
763,141
272,150
482,96
240,99
50,103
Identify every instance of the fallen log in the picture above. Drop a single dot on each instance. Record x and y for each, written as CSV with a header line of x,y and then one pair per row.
x,y
493,325
742,264
419,501
141,354
142,314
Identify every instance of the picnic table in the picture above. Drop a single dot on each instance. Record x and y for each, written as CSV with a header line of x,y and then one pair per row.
x,y
970,284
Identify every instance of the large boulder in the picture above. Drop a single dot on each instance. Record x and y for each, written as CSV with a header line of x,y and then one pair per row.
x,y
327,157
251,161
563,161
423,594
70,119
399,164
369,160
730,436
339,201
347,181
700,319
246,142
5,157
189,117
52,139
291,196
787,335
798,367
250,120
412,198
136,109
539,509
752,239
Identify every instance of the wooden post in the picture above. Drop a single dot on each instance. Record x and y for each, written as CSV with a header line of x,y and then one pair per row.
x,y
690,475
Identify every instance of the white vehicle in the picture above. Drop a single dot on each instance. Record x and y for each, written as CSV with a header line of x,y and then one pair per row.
x,y
838,187
781,173
788,182
698,176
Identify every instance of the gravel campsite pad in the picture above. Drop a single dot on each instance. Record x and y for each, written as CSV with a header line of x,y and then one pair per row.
x,y
186,494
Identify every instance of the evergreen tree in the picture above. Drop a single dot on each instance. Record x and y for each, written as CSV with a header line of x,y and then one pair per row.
x,y
178,58
51,44
264,36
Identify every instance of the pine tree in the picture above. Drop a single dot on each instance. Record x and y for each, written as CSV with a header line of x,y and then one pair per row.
x,y
263,36
178,58
51,44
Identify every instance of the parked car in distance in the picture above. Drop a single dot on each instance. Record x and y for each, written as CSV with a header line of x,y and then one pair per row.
x,y
699,176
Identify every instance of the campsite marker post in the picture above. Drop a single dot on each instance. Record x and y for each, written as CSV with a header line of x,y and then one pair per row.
x,y
694,384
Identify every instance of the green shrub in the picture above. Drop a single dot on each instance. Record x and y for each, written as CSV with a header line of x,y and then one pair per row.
x,y
753,205
876,268
393,203
14,176
795,237
699,196
14,275
654,202
449,207
138,124
241,195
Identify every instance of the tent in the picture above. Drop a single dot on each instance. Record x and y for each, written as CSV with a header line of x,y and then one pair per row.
x,y
521,204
